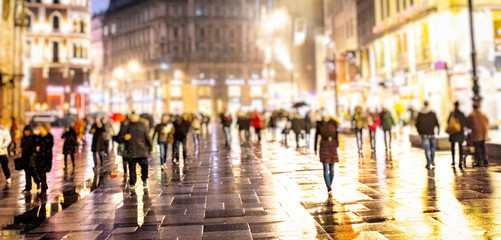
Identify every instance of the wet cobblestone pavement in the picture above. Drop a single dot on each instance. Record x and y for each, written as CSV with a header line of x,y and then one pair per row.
x,y
262,192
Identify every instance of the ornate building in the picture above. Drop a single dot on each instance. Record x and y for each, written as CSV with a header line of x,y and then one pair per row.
x,y
58,41
190,55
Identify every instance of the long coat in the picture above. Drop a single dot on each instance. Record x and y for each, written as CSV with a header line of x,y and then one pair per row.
x,y
328,135
98,138
28,148
459,136
43,157
140,144
70,141
479,124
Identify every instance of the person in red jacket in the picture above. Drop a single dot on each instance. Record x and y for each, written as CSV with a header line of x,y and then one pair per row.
x,y
257,123
374,121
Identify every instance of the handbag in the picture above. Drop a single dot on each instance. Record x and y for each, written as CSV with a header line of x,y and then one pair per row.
x,y
18,164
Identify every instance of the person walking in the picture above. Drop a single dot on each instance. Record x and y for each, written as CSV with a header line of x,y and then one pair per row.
x,y
226,121
307,127
359,123
107,134
257,123
298,126
161,133
196,129
5,140
426,123
387,123
326,141
43,155
374,121
272,125
28,142
455,128
243,123
70,145
181,129
138,147
479,124
98,146
12,149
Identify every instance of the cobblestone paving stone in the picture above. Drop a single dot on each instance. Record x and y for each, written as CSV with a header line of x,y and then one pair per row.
x,y
266,191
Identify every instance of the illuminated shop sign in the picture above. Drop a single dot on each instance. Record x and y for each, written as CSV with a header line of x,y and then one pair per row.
x,y
234,82
210,82
256,82
55,90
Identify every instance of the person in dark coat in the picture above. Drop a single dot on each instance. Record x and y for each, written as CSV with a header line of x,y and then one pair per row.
x,y
307,127
138,146
326,140
272,125
162,131
70,145
457,117
43,160
243,123
387,123
298,126
181,129
28,142
98,146
226,121
426,123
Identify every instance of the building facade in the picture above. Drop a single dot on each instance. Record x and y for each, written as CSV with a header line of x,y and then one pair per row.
x,y
58,42
97,81
183,56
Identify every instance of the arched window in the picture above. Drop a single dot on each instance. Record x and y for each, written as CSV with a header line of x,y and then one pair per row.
x,y
55,23
82,27
75,26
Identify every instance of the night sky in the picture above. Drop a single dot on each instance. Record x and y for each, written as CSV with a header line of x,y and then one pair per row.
x,y
99,5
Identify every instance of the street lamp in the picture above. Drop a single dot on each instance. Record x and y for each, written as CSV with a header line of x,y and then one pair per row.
x,y
476,87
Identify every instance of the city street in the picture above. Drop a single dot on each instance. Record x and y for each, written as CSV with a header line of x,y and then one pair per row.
x,y
262,192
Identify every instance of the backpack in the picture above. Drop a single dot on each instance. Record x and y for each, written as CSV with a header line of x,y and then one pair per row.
x,y
453,126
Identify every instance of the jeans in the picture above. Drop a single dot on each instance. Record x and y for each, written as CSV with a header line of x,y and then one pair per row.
x,y
298,135
328,173
163,152
176,148
143,163
29,174
387,138
72,156
196,138
42,175
360,138
258,133
95,155
227,134
106,146
480,154
125,163
429,149
246,136
453,150
5,166
372,136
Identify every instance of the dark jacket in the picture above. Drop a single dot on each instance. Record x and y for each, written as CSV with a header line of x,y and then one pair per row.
x,y
387,121
181,129
43,159
140,144
272,123
70,141
307,123
28,148
297,125
328,135
98,138
226,120
426,122
243,123
161,137
459,136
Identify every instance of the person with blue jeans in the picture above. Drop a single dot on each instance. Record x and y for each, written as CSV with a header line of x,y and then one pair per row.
x,y
226,121
161,132
426,123
326,137
181,129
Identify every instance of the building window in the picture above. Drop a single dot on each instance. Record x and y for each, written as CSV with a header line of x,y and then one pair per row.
x,y
175,32
175,92
232,34
55,23
217,34
113,28
234,91
55,52
202,32
105,31
28,21
82,27
256,91
56,1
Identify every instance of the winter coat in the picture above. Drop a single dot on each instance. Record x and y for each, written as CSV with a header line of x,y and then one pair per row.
x,y
328,135
359,121
5,140
479,124
426,122
98,138
298,125
226,120
272,123
140,144
43,157
160,133
70,141
387,121
182,127
243,123
459,136
307,123
108,130
256,120
28,148
375,122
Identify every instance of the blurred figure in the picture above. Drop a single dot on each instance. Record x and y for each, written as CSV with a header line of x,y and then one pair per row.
x,y
70,145
479,125
374,121
359,123
243,123
257,123
196,125
28,142
98,147
307,127
298,126
138,146
326,139
205,124
226,121
13,143
272,125
43,155
387,123
181,129
108,132
426,123
455,128
5,140
161,132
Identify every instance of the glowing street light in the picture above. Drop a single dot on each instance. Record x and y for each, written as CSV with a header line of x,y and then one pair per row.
x,y
134,66
119,73
178,74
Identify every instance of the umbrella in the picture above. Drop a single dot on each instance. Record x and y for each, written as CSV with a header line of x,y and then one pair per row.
x,y
299,104
118,117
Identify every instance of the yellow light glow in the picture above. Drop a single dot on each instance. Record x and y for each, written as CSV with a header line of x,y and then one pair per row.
x,y
134,66
119,73
178,74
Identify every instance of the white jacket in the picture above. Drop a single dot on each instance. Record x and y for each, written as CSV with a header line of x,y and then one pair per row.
x,y
5,140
